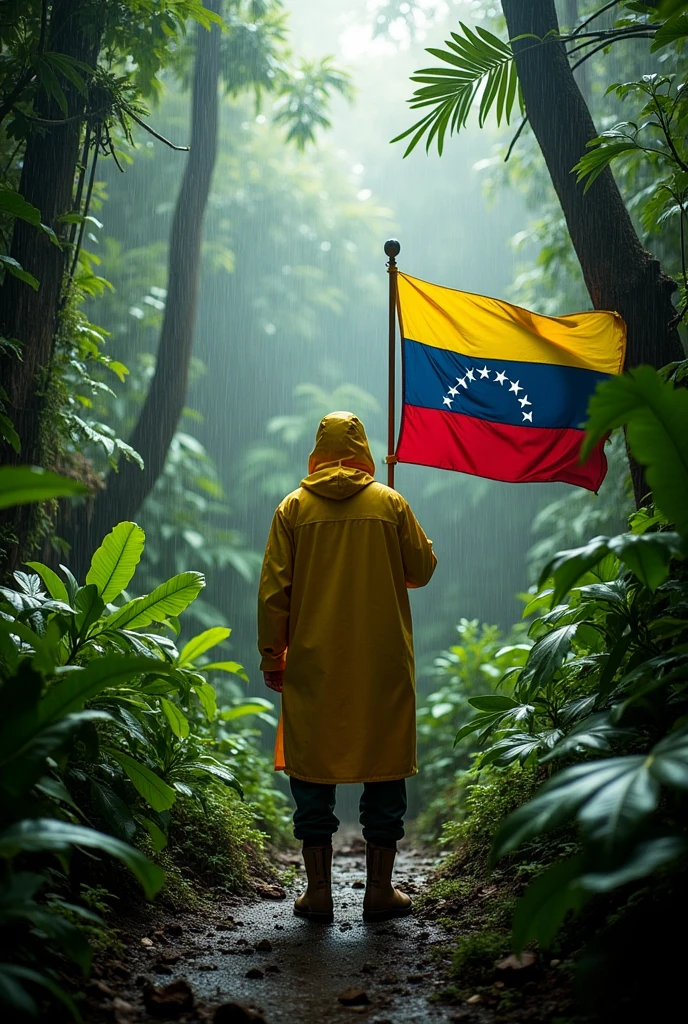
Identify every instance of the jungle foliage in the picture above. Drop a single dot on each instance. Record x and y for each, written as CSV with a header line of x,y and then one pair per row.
x,y
597,706
107,724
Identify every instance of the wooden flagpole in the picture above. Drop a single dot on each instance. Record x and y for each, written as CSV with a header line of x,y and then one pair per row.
x,y
392,250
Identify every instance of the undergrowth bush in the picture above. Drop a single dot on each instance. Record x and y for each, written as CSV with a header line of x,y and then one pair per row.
x,y
107,720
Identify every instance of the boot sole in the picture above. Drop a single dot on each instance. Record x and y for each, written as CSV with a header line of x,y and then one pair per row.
x,y
315,918
386,915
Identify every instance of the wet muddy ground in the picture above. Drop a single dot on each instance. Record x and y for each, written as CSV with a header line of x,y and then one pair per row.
x,y
254,953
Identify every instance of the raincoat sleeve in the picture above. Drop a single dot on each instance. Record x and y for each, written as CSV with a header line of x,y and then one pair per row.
x,y
274,594
416,551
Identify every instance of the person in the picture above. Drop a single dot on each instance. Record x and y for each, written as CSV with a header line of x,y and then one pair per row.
x,y
335,636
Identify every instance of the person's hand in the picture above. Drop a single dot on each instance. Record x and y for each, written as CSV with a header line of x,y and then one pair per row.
x,y
274,680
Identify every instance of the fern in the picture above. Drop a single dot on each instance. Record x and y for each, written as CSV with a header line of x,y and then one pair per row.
x,y
478,60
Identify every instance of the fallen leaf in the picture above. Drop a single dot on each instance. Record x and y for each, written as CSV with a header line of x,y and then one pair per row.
x,y
474,999
270,892
264,946
147,942
516,963
255,972
354,997
169,1002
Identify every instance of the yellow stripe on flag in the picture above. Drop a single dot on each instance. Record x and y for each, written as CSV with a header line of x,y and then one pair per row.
x,y
480,327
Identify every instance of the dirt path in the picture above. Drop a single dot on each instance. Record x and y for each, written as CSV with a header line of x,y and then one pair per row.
x,y
256,953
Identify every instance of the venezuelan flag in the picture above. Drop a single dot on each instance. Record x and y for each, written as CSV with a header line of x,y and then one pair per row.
x,y
494,390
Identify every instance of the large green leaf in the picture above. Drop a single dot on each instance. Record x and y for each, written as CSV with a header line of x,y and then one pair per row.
x,y
176,718
541,910
168,599
655,414
14,995
114,563
548,655
643,861
648,555
255,706
48,834
14,203
670,759
152,788
74,686
611,798
202,643
22,761
21,485
567,567
561,798
227,666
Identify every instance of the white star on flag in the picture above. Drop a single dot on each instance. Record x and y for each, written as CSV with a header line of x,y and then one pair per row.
x,y
470,374
524,401
484,373
527,416
448,401
453,392
500,377
515,387
462,382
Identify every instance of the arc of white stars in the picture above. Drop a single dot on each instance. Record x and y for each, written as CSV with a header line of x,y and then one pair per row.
x,y
500,378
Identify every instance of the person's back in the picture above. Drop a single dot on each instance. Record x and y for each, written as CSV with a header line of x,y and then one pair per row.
x,y
333,594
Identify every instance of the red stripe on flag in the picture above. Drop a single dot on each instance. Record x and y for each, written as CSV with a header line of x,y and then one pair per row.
x,y
499,451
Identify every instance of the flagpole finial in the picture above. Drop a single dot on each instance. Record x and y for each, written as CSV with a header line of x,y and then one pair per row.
x,y
392,249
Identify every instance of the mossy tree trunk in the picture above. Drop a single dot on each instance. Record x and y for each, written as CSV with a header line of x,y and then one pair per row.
x,y
47,181
126,490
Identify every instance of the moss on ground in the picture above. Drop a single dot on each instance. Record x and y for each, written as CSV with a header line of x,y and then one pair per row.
x,y
217,843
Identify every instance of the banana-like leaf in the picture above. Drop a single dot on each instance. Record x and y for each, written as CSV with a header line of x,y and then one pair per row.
x,y
47,834
152,788
202,643
158,837
114,563
112,811
168,599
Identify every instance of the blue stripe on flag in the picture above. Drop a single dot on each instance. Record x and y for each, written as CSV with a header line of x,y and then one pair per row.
x,y
500,390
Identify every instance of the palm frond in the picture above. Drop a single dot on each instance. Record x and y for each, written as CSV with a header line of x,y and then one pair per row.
x,y
477,60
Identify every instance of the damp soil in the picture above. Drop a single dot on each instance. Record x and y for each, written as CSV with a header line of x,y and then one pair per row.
x,y
251,959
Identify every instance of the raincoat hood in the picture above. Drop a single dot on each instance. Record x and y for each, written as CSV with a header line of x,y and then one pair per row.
x,y
341,463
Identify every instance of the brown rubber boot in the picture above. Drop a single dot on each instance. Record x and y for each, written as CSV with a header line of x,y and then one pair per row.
x,y
316,902
382,900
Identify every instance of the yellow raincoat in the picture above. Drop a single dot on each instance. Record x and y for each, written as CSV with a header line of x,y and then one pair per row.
x,y
333,611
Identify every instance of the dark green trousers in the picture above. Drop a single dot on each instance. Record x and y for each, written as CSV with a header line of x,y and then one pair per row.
x,y
382,809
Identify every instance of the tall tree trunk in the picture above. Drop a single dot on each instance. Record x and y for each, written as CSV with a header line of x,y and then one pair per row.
x,y
47,181
126,490
618,272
